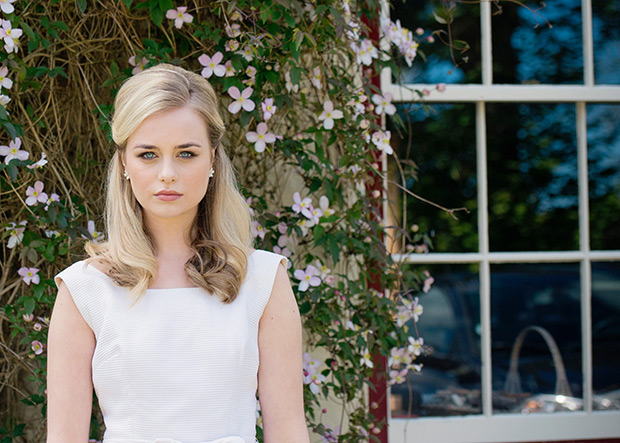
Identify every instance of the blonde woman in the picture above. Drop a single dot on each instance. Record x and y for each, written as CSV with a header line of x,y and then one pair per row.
x,y
175,321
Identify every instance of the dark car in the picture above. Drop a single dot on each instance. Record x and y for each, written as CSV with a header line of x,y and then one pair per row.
x,y
542,302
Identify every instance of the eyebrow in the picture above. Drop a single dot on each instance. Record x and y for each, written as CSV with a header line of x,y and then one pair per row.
x,y
181,146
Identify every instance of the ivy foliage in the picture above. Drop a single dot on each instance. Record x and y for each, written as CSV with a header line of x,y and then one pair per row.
x,y
308,153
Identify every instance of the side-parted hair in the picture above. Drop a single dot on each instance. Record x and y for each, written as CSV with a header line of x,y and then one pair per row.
x,y
220,237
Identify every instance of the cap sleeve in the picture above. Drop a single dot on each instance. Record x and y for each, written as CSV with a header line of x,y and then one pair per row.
x,y
262,269
86,286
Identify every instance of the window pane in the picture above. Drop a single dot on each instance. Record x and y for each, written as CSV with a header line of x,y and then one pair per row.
x,y
449,383
439,67
532,177
440,166
606,35
527,50
604,174
546,299
606,335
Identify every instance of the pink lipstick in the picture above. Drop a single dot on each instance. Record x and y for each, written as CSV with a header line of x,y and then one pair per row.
x,y
167,195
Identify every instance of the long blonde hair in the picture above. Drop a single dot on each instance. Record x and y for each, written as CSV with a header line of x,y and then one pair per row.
x,y
220,237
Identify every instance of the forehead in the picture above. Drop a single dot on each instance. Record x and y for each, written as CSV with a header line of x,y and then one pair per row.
x,y
172,127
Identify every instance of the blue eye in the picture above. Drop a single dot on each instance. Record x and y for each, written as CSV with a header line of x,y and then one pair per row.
x,y
186,154
147,155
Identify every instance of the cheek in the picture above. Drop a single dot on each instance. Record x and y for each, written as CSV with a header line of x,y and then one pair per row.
x,y
139,182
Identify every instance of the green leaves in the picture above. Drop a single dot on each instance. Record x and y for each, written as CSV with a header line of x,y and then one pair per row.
x,y
157,9
82,5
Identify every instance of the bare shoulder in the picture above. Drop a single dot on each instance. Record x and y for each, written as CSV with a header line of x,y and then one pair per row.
x,y
100,265
282,303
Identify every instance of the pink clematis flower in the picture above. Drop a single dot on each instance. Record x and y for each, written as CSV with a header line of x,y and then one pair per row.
x,y
6,6
139,66
229,68
12,151
307,278
416,310
384,104
260,137
36,194
415,346
212,65
324,205
231,45
52,198
382,141
365,52
29,275
95,235
42,162
268,108
179,16
16,233
258,230
315,214
316,78
241,100
397,376
9,35
247,53
302,206
233,30
37,347
5,82
329,114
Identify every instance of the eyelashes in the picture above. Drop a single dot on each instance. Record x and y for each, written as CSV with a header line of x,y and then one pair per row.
x,y
150,155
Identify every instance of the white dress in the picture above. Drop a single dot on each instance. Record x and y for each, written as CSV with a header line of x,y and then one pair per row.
x,y
178,365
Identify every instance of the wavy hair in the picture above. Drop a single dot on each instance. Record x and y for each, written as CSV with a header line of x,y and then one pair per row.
x,y
220,236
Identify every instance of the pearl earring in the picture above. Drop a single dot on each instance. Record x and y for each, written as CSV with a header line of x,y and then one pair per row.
x,y
211,172
126,175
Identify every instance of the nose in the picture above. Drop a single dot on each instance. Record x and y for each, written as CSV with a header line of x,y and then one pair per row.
x,y
167,173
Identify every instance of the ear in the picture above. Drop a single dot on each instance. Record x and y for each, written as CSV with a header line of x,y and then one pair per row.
x,y
122,157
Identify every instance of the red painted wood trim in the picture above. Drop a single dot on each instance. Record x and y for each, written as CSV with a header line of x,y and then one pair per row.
x,y
377,398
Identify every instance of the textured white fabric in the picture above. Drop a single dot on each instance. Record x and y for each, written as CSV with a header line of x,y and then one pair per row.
x,y
178,365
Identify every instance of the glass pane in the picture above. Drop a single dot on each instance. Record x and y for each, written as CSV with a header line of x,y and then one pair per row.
x,y
440,166
526,49
449,383
440,66
604,174
606,335
606,35
536,315
532,177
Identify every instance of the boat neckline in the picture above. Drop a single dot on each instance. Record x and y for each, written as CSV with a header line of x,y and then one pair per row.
x,y
161,289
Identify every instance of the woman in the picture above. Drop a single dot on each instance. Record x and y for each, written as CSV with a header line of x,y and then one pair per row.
x,y
169,318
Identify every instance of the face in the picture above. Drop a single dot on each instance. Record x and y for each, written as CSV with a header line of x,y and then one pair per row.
x,y
168,158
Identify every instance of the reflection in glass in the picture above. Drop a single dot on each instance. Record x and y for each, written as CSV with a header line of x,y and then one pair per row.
x,y
606,335
449,383
439,165
536,317
606,36
604,175
532,177
540,43
439,66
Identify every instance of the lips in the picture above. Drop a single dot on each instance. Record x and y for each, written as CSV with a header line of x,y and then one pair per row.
x,y
167,195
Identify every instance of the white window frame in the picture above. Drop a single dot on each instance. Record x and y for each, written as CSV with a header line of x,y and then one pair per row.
x,y
487,427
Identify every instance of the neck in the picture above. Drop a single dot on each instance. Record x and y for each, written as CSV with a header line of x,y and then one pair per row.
x,y
171,238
